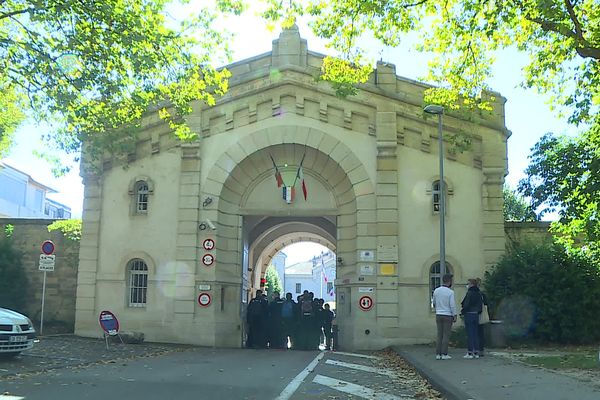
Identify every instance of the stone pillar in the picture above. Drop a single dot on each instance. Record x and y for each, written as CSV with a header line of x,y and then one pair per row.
x,y
387,307
86,320
187,236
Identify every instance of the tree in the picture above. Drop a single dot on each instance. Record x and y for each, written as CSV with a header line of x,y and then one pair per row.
x,y
273,281
561,36
564,176
13,280
92,67
515,207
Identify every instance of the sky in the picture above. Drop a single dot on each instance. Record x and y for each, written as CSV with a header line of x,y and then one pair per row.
x,y
527,114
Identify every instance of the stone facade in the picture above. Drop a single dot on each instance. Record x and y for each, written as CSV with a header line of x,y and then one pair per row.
x,y
369,162
61,285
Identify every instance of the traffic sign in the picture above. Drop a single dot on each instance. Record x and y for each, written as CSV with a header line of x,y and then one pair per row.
x,y
47,262
208,244
109,323
204,299
208,259
48,247
365,303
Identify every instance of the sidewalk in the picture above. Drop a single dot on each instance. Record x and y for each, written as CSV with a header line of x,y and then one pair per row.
x,y
493,378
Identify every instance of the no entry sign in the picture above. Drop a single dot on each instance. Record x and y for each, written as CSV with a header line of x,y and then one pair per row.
x,y
204,299
365,303
109,323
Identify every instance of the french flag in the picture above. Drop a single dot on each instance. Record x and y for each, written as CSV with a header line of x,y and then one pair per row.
x,y
289,193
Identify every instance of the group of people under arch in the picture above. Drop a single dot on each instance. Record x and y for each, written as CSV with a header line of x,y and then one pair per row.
x,y
278,323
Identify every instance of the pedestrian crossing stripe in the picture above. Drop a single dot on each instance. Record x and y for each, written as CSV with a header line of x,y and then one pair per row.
x,y
359,367
356,390
341,353
9,397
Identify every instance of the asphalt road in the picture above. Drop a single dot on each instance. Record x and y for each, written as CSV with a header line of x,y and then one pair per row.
x,y
214,374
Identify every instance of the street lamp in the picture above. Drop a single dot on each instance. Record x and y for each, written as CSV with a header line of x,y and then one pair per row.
x,y
439,111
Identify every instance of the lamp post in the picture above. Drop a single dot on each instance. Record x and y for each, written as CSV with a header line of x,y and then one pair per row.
x,y
439,111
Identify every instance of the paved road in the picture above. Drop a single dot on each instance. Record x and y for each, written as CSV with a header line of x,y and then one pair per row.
x,y
217,374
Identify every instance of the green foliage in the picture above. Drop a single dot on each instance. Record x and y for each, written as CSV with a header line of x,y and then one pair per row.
x,y
9,230
516,208
564,176
13,280
561,36
91,67
273,283
544,292
70,228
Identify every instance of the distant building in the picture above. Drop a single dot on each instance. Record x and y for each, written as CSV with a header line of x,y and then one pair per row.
x,y
316,275
21,196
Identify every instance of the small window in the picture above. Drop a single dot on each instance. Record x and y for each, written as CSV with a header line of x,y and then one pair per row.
x,y
435,278
298,288
141,195
138,283
436,196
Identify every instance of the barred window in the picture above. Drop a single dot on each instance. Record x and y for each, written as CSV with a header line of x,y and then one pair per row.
x,y
141,195
138,283
436,196
435,278
298,288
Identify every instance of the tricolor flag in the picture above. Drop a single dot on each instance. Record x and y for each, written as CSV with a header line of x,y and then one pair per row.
x,y
278,177
289,192
300,177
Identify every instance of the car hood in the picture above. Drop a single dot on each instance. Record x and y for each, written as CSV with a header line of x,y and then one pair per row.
x,y
10,317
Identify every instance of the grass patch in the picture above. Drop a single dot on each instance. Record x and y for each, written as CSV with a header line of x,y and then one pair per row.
x,y
587,360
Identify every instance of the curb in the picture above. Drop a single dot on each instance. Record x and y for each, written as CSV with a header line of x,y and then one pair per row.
x,y
441,384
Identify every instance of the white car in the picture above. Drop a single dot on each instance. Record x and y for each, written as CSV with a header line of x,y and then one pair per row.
x,y
16,332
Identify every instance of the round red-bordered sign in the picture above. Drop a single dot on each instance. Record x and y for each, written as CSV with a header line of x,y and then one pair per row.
x,y
365,303
204,299
208,244
48,247
208,259
109,323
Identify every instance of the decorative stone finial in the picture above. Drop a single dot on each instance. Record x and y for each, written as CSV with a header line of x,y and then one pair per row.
x,y
290,48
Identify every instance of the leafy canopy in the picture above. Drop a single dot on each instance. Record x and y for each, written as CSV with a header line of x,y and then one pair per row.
x,y
516,207
90,67
70,228
273,283
562,38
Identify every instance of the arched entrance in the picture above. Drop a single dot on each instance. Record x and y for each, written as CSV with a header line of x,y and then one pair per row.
x,y
254,220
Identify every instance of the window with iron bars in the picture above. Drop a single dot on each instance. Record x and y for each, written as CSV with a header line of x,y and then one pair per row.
x,y
141,197
138,283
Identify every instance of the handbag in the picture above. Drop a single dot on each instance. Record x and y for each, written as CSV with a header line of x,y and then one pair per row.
x,y
484,316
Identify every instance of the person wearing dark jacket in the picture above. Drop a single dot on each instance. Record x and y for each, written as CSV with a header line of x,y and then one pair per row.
x,y
472,306
256,316
481,332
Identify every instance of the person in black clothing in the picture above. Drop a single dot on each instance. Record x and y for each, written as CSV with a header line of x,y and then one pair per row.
x,y
289,311
480,330
471,308
256,316
275,328
327,321
306,321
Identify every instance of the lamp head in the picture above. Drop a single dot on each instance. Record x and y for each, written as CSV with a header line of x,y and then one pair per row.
x,y
434,109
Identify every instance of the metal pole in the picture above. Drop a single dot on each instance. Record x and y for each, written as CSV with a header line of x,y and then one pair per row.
x,y
43,297
442,200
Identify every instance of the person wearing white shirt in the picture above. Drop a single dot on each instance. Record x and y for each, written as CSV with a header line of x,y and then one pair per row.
x,y
445,315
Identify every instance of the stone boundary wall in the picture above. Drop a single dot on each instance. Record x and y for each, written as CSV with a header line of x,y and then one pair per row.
x,y
61,285
516,232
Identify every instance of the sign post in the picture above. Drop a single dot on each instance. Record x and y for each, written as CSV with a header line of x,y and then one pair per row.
x,y
110,325
46,264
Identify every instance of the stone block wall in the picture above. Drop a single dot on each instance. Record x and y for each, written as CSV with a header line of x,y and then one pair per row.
x,y
61,285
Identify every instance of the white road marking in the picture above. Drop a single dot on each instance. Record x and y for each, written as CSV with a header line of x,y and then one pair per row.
x,y
8,397
355,390
355,355
297,381
359,367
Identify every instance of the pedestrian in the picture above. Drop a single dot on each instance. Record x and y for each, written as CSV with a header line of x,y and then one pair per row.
x,y
472,305
256,316
275,324
328,317
288,320
481,330
445,314
306,322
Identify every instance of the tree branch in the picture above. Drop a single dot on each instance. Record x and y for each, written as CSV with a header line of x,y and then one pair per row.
x,y
16,12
